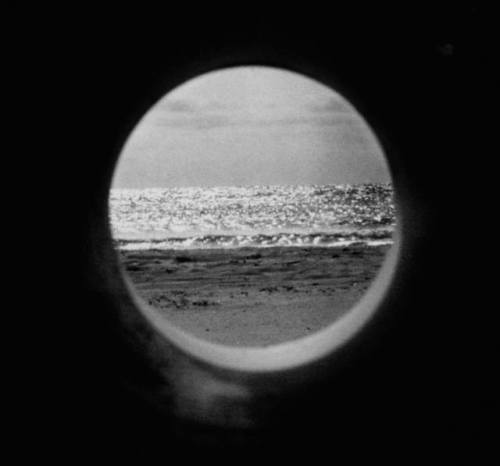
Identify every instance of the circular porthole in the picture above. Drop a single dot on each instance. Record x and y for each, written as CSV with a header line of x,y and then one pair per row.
x,y
252,209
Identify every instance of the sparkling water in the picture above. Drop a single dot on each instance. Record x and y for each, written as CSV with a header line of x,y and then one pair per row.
x,y
252,216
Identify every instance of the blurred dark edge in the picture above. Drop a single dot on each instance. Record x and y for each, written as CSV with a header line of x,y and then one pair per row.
x,y
426,77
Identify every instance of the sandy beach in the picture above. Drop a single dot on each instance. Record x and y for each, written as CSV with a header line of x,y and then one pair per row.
x,y
253,296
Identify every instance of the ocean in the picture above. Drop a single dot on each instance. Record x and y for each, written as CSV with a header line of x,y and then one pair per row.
x,y
252,216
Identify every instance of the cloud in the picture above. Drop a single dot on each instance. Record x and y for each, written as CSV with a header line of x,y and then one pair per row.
x,y
311,120
180,106
195,115
332,105
210,121
195,121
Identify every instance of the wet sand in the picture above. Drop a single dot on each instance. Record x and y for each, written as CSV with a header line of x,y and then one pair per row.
x,y
253,297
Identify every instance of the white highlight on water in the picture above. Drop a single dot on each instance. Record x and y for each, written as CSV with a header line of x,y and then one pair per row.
x,y
252,216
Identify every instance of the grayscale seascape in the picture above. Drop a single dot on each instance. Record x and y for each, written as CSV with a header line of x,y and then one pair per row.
x,y
253,266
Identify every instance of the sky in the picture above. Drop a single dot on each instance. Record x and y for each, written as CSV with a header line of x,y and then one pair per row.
x,y
250,126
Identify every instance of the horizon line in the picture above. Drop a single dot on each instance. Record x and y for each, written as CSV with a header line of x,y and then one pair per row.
x,y
254,185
